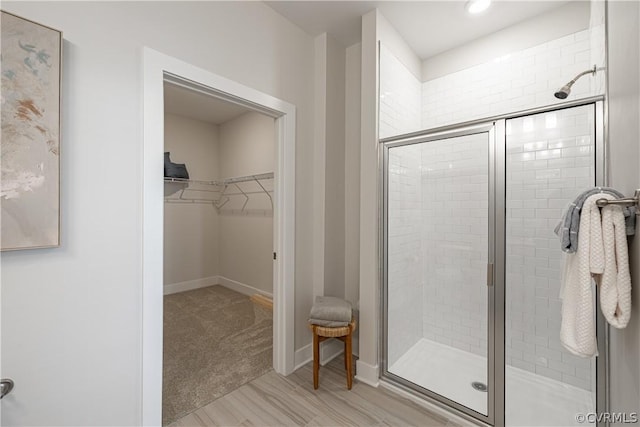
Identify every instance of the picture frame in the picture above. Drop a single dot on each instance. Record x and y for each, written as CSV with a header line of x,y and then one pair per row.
x,y
31,108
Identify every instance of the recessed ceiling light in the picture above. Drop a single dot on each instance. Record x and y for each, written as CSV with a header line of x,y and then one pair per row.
x,y
477,6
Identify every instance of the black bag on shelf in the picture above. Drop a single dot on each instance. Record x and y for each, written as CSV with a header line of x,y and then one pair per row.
x,y
174,170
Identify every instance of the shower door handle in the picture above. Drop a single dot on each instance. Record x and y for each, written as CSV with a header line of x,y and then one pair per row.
x,y
489,274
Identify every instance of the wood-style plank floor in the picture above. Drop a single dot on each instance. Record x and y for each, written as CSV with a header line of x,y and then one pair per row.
x,y
274,400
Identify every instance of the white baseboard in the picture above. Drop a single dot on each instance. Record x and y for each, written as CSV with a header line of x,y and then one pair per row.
x,y
329,350
430,406
368,374
242,287
189,285
302,356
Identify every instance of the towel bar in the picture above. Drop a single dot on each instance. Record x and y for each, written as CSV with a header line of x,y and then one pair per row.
x,y
627,201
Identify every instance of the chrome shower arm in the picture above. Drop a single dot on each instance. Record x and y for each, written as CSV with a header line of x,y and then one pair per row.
x,y
590,71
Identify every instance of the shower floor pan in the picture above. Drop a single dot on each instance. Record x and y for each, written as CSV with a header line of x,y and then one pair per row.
x,y
531,400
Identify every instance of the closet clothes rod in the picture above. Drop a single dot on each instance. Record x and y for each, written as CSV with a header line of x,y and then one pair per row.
x,y
235,180
243,193
190,201
192,181
268,175
627,201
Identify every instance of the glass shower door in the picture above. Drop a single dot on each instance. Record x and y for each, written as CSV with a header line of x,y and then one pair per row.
x,y
437,250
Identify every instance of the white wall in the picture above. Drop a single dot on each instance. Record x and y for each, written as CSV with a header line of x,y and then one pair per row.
x,y
319,153
389,36
334,249
71,317
329,176
247,147
352,173
367,365
624,134
557,23
191,231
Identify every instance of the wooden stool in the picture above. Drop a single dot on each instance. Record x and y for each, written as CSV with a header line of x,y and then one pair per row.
x,y
344,334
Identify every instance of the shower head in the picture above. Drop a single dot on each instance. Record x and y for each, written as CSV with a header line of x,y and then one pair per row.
x,y
565,90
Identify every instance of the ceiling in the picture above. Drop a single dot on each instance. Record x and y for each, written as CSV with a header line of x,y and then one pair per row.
x,y
342,19
198,106
428,27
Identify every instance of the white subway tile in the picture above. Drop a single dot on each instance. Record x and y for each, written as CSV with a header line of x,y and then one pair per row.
x,y
527,366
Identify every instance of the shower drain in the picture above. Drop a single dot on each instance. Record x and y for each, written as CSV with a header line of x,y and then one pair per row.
x,y
479,386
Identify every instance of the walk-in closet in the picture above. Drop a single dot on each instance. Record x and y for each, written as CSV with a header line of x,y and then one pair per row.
x,y
218,248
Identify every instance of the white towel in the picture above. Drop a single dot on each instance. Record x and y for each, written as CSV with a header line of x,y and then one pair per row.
x,y
615,284
578,328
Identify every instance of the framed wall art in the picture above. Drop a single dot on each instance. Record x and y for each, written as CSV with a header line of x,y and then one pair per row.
x,y
30,162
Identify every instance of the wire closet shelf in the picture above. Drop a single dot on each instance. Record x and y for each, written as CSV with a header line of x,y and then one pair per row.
x,y
220,193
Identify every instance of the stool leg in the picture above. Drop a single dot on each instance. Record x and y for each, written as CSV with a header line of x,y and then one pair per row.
x,y
348,359
345,354
316,358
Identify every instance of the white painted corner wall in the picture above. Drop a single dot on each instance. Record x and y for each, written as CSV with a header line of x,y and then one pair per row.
x,y
247,147
352,173
367,365
191,231
329,176
334,195
624,134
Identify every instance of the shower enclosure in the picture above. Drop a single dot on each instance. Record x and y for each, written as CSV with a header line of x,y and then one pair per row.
x,y
472,268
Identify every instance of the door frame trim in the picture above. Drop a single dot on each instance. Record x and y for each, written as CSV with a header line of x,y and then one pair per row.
x,y
156,69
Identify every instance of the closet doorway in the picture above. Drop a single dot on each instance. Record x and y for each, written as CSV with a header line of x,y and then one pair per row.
x,y
218,248
158,70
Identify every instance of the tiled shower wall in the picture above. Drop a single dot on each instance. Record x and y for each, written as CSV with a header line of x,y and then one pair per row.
x,y
550,159
404,245
454,241
519,81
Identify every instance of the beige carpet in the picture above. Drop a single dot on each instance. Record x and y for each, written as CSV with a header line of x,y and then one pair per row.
x,y
215,340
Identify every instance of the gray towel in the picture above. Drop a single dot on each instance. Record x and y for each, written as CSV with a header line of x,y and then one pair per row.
x,y
568,228
330,311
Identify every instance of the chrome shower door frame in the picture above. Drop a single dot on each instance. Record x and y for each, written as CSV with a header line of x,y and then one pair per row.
x,y
495,133
496,319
